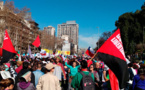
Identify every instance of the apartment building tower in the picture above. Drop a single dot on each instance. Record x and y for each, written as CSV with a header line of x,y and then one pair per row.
x,y
50,30
70,28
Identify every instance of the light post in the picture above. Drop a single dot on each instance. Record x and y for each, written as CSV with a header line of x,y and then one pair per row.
x,y
98,35
143,38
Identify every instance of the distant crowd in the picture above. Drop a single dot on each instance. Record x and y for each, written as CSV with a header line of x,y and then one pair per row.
x,y
77,73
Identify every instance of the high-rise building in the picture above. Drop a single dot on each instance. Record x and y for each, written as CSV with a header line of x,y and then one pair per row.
x,y
50,30
70,28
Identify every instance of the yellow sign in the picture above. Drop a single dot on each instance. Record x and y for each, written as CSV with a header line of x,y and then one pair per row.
x,y
67,52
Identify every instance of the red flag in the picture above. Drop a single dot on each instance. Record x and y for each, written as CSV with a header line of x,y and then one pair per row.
x,y
37,43
112,53
8,48
113,46
113,81
0,51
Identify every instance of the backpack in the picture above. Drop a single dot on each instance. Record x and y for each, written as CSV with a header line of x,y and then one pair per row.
x,y
87,82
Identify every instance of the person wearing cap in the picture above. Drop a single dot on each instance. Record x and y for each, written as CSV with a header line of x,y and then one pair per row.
x,y
48,81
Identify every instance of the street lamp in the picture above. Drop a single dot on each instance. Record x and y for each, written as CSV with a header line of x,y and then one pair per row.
x,y
98,35
143,37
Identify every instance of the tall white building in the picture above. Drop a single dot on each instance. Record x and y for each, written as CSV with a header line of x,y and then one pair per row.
x,y
67,45
70,28
50,30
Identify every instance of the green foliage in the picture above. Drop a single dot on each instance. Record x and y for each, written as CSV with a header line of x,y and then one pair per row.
x,y
131,27
102,39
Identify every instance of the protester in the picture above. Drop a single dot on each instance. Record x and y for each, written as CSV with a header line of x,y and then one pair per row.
x,y
99,77
91,68
38,73
132,73
7,84
73,70
136,67
79,80
22,72
66,73
25,82
139,80
106,84
3,73
59,71
101,63
48,81
19,66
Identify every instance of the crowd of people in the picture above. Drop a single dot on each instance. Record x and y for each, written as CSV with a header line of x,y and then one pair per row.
x,y
77,73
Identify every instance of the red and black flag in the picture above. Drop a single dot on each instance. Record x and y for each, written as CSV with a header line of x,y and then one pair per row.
x,y
8,50
0,51
37,43
113,81
112,53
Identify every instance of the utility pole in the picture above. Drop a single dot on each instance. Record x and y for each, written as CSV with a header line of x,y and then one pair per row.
x,y
16,39
98,35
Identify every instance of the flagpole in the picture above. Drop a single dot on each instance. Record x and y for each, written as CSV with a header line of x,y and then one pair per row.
x,y
98,35
92,58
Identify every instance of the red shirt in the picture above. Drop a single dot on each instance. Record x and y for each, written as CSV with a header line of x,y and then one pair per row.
x,y
19,69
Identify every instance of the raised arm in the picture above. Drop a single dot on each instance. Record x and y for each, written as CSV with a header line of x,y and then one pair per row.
x,y
69,66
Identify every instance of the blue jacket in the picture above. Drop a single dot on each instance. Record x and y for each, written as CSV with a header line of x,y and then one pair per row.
x,y
38,74
137,82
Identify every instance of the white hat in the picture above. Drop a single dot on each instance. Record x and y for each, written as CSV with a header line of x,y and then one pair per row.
x,y
49,66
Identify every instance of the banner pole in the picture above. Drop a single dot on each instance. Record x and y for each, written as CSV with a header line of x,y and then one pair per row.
x,y
94,56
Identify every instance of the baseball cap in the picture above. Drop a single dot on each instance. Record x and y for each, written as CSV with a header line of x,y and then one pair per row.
x,y
49,66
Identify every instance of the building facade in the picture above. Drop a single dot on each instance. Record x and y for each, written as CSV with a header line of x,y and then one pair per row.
x,y
50,30
21,31
70,28
67,46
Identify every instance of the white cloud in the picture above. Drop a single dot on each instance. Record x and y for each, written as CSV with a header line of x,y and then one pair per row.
x,y
85,42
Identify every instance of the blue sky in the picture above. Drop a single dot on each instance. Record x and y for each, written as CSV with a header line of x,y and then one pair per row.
x,y
89,14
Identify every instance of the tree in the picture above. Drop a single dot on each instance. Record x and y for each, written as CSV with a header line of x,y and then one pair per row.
x,y
132,29
131,26
59,43
102,39
50,42
13,19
